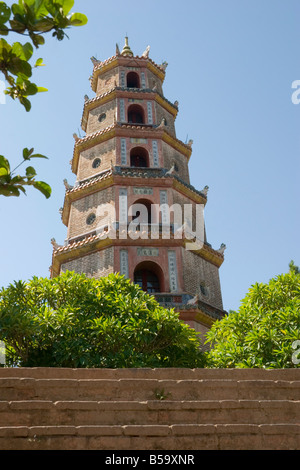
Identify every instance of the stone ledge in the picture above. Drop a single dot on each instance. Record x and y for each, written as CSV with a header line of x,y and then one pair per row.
x,y
26,374
150,430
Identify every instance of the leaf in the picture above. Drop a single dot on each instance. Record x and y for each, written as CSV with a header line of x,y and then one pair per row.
x,y
30,172
4,163
18,66
23,51
78,19
4,13
4,30
67,5
39,63
41,89
26,103
40,9
37,155
8,190
43,187
44,25
30,88
27,153
4,48
17,26
37,39
17,9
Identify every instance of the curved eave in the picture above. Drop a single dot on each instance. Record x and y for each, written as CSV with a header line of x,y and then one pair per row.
x,y
201,315
95,243
117,129
116,61
208,253
108,178
94,103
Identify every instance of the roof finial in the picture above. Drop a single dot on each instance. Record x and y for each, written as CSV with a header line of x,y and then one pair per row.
x,y
126,49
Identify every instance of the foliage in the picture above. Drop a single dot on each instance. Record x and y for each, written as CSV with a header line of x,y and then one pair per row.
x,y
76,321
262,332
294,268
11,184
33,19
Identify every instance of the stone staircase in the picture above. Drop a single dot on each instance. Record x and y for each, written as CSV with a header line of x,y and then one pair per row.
x,y
149,409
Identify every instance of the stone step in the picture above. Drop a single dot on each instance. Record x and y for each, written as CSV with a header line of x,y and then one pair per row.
x,y
152,437
18,388
46,412
147,373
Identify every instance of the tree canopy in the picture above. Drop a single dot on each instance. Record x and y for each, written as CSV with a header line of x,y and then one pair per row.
x,y
76,321
32,19
264,331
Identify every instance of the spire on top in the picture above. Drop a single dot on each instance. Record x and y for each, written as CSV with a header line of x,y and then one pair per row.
x,y
126,49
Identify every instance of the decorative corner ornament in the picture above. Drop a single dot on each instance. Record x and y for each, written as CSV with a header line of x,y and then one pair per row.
x,y
67,185
205,190
222,248
54,244
146,52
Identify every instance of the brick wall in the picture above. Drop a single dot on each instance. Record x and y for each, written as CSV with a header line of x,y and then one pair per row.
x,y
161,113
171,155
85,206
95,264
106,151
94,124
106,81
197,271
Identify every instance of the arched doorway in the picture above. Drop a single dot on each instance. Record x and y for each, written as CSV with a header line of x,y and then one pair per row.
x,y
149,276
141,209
139,157
133,80
136,114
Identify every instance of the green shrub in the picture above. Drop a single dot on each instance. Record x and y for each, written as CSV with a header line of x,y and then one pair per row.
x,y
76,321
263,332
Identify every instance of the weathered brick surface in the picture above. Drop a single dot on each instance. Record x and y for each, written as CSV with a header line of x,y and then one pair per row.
x,y
181,409
171,156
198,271
93,203
100,263
106,151
108,113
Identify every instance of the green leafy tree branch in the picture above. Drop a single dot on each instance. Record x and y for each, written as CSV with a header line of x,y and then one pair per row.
x,y
33,19
77,321
264,329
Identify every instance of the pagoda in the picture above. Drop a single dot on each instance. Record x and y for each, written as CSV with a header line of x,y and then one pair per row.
x,y
132,209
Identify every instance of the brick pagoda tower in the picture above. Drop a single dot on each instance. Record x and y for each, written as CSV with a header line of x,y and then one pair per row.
x,y
130,169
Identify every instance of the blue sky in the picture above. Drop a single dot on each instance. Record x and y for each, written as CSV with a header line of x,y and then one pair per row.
x,y
231,67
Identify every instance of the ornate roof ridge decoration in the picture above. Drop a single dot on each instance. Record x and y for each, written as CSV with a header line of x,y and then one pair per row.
x,y
106,177
154,173
89,102
132,172
110,132
90,181
91,238
99,64
115,60
101,240
126,49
